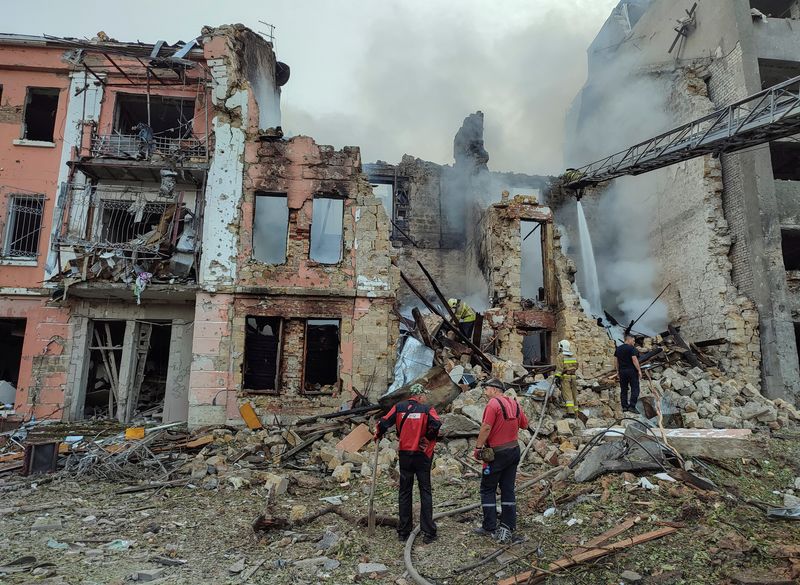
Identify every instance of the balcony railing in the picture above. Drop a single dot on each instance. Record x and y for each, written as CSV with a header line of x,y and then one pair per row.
x,y
134,147
127,221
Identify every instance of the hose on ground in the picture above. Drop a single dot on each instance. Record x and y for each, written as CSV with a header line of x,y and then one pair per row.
x,y
412,572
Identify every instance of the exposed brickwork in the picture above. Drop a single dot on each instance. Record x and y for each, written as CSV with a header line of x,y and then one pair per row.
x,y
592,346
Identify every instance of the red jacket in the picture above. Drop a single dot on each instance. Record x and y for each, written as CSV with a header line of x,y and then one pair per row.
x,y
506,418
417,426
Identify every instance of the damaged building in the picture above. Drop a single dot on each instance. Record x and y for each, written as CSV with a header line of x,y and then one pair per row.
x,y
166,253
736,280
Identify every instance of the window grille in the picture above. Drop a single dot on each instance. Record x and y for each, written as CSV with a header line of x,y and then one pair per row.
x,y
24,226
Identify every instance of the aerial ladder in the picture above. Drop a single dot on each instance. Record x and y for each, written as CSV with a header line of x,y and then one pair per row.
x,y
763,117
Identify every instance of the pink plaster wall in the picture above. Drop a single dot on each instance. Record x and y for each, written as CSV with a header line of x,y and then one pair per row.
x,y
28,169
43,368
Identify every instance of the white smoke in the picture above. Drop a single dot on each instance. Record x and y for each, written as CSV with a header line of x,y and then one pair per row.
x,y
619,107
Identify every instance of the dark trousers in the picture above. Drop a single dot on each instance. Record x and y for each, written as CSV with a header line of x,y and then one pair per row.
x,y
502,472
419,466
628,379
466,329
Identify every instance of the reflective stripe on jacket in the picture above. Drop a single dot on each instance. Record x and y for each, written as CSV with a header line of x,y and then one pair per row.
x,y
567,365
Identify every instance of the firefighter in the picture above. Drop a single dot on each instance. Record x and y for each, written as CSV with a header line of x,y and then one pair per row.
x,y
417,426
565,372
572,175
498,447
465,315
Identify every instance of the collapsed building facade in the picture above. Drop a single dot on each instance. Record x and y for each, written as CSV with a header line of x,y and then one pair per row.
x,y
168,252
721,231
165,251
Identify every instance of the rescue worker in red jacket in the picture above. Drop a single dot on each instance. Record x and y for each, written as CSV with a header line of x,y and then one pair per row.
x,y
417,427
502,419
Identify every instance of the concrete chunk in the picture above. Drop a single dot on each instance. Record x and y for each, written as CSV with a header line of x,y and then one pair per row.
x,y
711,443
369,569
149,574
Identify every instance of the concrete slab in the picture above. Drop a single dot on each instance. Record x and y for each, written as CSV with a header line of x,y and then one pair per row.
x,y
711,443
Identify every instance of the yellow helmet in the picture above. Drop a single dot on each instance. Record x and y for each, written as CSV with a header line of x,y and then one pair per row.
x,y
452,302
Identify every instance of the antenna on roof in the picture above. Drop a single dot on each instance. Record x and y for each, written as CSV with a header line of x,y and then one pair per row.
x,y
270,34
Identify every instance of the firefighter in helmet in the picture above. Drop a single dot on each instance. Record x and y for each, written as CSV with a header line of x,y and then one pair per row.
x,y
566,367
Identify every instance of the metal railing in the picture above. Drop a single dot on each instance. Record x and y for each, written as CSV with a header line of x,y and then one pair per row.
x,y
131,146
768,115
23,226
126,220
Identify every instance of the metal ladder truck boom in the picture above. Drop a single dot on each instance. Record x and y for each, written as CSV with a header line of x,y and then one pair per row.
x,y
765,116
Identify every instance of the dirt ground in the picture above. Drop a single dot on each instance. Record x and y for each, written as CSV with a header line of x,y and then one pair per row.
x,y
106,537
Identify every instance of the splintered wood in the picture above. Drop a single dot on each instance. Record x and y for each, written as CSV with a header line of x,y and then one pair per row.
x,y
598,550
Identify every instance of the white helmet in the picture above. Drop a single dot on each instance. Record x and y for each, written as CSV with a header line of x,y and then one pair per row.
x,y
564,346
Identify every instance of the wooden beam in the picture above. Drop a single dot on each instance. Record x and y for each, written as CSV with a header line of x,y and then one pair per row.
x,y
537,576
423,330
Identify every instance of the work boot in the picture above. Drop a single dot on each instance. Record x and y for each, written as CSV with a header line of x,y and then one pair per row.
x,y
428,538
402,536
503,535
481,531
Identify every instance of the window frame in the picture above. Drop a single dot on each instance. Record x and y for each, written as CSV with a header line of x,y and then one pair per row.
x,y
275,195
336,386
11,218
281,322
29,90
322,197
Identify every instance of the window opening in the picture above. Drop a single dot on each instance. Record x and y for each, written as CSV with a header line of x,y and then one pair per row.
x,y
535,348
126,220
775,71
170,117
797,338
12,332
23,226
262,342
790,244
532,262
777,8
270,227
321,364
385,193
41,106
785,160
326,230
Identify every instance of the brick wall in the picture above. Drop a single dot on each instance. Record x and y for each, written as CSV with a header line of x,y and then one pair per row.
x,y
45,356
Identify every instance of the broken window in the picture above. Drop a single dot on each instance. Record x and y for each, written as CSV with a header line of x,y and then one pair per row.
x,y
532,263
12,332
41,106
785,160
23,226
270,228
535,348
326,230
169,117
790,243
321,364
385,193
777,8
125,220
262,341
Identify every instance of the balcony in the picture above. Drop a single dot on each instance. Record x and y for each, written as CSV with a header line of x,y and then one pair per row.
x,y
117,232
134,147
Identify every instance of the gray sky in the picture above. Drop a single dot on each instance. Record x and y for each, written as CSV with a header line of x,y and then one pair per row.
x,y
390,76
